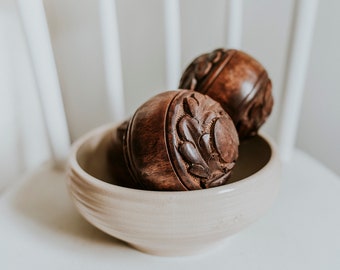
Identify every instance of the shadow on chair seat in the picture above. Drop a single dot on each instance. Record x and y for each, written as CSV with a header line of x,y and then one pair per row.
x,y
41,206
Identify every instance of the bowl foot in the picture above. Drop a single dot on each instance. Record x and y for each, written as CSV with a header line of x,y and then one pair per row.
x,y
180,250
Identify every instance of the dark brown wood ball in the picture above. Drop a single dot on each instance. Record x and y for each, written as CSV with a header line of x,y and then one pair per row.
x,y
117,167
180,140
238,82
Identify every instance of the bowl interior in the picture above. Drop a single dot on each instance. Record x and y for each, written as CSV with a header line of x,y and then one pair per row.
x,y
254,154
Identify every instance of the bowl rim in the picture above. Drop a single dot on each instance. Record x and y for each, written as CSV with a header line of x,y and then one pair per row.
x,y
73,164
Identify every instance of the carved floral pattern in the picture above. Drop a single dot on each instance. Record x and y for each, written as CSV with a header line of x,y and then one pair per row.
x,y
255,112
200,68
209,156
248,115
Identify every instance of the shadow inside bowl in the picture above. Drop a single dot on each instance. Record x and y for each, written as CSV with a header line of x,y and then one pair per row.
x,y
254,154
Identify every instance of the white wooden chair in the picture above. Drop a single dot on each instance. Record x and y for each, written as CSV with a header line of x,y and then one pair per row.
x,y
40,228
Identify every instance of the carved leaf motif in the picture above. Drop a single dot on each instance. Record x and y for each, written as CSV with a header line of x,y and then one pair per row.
x,y
228,166
217,181
215,56
190,106
204,143
193,84
202,68
199,171
191,154
188,129
223,142
207,119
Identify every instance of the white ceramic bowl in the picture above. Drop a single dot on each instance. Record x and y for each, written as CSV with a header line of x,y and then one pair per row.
x,y
172,223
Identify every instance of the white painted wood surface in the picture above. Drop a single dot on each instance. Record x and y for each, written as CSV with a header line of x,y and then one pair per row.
x,y
112,58
295,76
172,43
235,15
45,73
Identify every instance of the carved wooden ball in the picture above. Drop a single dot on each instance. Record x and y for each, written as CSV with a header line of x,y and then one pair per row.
x,y
117,168
238,82
180,140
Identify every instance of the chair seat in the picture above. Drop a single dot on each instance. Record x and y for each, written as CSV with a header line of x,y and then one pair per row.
x,y
40,229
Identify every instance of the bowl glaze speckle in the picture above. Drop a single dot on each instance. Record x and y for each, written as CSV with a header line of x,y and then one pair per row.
x,y
172,223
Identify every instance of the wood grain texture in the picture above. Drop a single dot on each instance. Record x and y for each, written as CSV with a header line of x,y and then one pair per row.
x,y
117,168
238,82
180,140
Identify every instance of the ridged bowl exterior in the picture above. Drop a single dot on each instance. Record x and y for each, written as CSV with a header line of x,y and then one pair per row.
x,y
166,223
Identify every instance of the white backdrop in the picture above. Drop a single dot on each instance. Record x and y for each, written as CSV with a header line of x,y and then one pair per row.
x,y
76,37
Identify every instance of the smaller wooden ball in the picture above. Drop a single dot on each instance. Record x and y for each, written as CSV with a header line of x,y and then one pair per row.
x,y
180,140
238,82
117,167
